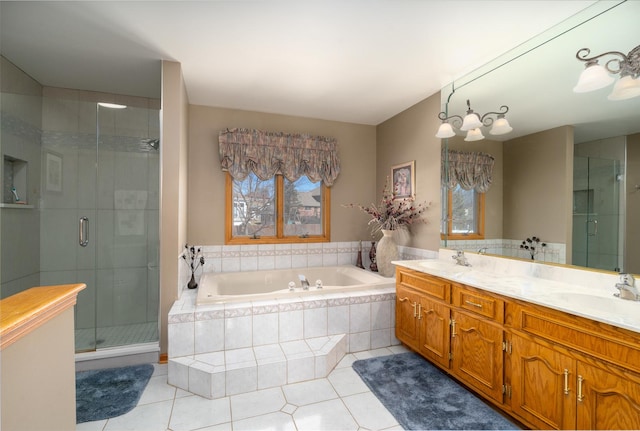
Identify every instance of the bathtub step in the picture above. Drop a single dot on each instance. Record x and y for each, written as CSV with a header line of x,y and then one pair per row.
x,y
220,374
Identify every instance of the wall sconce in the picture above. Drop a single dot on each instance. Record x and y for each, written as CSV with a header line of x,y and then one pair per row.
x,y
472,122
594,76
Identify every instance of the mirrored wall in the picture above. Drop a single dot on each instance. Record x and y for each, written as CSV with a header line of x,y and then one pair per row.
x,y
566,172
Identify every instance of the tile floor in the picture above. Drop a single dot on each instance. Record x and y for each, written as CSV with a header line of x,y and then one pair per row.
x,y
339,402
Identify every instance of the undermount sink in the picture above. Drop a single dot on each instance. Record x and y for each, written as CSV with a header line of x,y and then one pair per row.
x,y
609,304
440,265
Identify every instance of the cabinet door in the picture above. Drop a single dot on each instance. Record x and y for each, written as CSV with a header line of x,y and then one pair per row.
x,y
407,316
434,334
607,399
543,384
477,354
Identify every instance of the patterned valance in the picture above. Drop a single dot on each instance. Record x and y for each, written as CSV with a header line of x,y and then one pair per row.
x,y
269,153
470,170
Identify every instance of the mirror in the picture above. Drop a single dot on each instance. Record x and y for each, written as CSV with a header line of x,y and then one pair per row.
x,y
545,180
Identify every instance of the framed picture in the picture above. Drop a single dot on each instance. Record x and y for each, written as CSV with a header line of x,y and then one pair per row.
x,y
53,172
404,180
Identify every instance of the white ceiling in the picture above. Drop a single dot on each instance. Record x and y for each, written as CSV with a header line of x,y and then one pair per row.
x,y
357,61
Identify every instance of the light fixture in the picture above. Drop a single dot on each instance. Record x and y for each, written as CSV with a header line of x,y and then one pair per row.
x,y
594,76
472,122
111,105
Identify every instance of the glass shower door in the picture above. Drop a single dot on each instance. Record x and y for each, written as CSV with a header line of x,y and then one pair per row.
x,y
597,190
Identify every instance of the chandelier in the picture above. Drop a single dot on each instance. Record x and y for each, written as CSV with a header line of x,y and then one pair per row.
x,y
594,76
472,122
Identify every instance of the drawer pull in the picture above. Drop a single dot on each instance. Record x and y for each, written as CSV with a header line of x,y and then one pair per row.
x,y
453,328
419,311
580,380
566,381
475,304
415,311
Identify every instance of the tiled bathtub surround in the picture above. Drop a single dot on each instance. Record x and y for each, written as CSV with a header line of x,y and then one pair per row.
x,y
234,258
218,350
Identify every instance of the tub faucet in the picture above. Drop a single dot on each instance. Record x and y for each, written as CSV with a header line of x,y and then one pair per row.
x,y
304,283
460,258
627,288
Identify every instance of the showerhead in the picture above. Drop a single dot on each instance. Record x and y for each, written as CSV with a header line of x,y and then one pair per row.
x,y
151,143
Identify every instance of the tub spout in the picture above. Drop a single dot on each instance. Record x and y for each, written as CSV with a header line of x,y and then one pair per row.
x,y
304,283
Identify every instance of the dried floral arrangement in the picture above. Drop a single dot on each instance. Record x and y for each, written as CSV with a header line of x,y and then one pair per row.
x,y
392,214
194,259
533,245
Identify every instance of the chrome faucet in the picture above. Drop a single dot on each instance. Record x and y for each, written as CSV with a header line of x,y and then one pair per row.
x,y
304,283
460,258
627,288
483,250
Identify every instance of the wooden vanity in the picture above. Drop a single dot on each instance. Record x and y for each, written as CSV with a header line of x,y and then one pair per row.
x,y
546,368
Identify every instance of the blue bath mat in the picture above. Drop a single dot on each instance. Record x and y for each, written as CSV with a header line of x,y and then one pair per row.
x,y
104,394
421,397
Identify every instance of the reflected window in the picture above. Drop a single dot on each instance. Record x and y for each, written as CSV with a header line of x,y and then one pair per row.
x,y
276,210
463,216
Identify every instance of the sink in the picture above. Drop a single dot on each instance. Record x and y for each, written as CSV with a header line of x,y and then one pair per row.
x,y
600,304
439,265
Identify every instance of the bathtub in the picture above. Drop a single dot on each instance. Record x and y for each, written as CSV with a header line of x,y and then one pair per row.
x,y
216,288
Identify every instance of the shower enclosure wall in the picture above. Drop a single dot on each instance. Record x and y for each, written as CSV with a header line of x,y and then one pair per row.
x,y
89,209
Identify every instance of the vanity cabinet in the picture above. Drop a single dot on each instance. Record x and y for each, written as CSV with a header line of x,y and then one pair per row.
x,y
463,335
546,368
568,372
423,316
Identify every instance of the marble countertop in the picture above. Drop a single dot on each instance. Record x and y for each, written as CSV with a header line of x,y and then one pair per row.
x,y
582,293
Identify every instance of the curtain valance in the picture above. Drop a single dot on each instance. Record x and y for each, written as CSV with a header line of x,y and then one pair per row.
x,y
469,170
269,153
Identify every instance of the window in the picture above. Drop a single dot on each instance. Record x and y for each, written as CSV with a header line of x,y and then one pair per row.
x,y
276,210
463,214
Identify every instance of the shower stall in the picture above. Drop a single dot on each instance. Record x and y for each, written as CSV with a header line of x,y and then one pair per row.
x,y
81,184
599,204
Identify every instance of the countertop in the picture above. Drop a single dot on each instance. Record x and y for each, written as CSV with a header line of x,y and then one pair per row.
x,y
23,312
587,293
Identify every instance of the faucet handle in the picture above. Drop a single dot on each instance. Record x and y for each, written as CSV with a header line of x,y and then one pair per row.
x,y
627,279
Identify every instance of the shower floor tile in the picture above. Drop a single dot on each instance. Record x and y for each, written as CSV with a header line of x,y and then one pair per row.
x,y
112,336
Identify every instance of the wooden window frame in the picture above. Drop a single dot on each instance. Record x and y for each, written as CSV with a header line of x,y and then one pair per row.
x,y
279,238
481,216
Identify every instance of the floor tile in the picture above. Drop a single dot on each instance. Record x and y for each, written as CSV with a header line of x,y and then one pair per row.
x,y
313,391
346,361
327,415
256,403
157,390
149,417
91,426
271,422
347,382
194,412
369,412
373,353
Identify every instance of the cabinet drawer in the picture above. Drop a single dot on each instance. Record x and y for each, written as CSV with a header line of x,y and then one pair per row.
x,y
478,303
428,285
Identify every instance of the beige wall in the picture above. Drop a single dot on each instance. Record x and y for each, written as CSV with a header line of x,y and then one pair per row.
x,y
494,197
410,135
356,182
538,183
632,245
174,205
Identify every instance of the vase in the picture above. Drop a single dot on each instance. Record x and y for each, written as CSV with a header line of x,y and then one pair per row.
x,y
386,251
192,283
372,257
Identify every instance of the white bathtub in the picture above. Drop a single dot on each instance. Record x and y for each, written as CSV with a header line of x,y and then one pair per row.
x,y
216,288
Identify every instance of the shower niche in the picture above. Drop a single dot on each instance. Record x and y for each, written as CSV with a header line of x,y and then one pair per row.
x,y
14,191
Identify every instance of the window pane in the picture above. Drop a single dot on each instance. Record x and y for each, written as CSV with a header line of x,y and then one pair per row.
x,y
302,207
464,211
254,207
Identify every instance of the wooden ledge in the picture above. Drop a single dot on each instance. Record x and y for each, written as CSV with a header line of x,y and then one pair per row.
x,y
25,311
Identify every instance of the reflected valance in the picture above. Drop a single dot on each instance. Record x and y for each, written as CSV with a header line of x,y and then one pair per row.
x,y
269,153
469,170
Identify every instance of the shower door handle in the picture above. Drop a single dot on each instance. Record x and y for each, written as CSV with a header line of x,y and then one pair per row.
x,y
595,227
83,232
